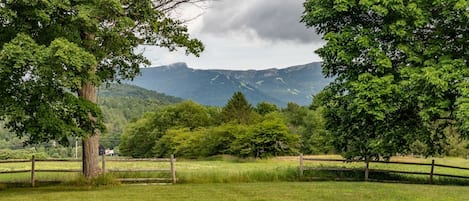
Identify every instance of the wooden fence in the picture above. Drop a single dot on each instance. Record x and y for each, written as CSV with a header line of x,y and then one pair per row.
x,y
33,170
431,173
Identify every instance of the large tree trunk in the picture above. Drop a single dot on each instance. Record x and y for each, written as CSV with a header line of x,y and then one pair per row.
x,y
90,156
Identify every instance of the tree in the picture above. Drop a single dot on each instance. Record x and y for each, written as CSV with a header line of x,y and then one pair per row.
x,y
400,68
55,53
264,108
315,138
271,137
238,110
139,137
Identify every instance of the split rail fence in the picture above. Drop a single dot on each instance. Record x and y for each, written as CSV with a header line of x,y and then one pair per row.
x,y
34,170
431,173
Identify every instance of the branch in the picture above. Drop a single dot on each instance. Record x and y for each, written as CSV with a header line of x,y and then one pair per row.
x,y
166,6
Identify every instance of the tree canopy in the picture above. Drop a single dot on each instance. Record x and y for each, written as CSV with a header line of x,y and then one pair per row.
x,y
401,70
54,54
238,110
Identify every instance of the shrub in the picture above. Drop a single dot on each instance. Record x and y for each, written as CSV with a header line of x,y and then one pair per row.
x,y
6,154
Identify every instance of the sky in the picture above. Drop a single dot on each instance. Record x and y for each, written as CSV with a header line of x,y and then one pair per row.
x,y
244,34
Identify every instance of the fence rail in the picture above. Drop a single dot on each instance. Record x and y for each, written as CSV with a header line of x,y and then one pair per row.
x,y
33,170
431,173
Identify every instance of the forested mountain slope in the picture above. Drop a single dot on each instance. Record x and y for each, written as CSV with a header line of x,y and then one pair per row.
x,y
214,87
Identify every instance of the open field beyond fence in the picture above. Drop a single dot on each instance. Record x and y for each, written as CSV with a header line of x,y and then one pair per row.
x,y
226,169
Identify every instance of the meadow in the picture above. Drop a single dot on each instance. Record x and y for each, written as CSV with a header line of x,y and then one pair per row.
x,y
230,178
260,191
227,169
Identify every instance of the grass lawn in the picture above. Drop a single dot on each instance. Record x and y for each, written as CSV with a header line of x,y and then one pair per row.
x,y
272,191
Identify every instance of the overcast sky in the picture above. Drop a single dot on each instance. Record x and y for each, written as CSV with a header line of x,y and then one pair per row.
x,y
245,34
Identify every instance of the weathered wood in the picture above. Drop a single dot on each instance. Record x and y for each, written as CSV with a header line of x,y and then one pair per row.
x,y
301,166
326,160
371,161
453,167
403,163
367,168
57,170
431,171
141,160
14,171
103,164
334,169
33,176
453,176
15,161
57,160
143,179
173,170
33,170
399,172
140,170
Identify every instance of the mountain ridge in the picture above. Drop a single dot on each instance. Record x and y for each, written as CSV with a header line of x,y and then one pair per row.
x,y
214,87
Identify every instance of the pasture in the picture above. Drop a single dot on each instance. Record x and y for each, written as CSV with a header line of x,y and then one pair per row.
x,y
268,191
228,178
226,169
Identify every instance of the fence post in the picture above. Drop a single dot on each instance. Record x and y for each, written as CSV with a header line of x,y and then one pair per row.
x,y
173,169
103,164
431,171
367,168
301,166
33,176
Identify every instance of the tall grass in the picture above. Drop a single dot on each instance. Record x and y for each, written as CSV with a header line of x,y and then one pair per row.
x,y
228,169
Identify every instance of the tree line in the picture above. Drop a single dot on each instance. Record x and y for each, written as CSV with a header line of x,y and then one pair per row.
x,y
191,130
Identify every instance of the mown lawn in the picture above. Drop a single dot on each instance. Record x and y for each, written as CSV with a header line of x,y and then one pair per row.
x,y
272,191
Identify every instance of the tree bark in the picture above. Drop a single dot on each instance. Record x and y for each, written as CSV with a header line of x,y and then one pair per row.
x,y
90,156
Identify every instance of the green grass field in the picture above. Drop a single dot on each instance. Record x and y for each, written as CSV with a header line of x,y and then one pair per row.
x,y
227,178
228,170
268,191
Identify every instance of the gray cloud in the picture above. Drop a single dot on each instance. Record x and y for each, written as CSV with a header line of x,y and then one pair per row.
x,y
273,20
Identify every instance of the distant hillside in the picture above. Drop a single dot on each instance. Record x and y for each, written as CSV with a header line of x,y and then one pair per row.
x,y
122,103
214,87
127,90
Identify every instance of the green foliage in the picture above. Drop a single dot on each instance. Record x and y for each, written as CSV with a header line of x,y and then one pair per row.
x,y
139,137
400,71
6,154
123,103
315,139
418,148
202,142
271,137
190,130
295,113
52,50
36,102
264,108
238,110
